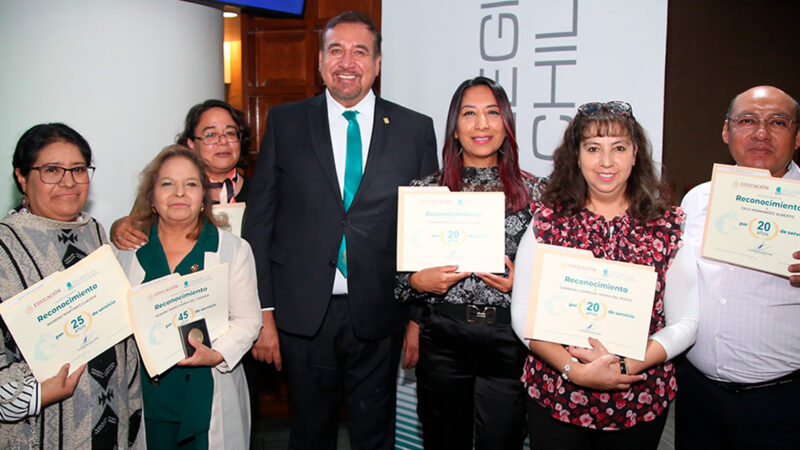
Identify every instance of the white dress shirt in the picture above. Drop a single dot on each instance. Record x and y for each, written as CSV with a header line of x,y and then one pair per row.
x,y
749,328
338,129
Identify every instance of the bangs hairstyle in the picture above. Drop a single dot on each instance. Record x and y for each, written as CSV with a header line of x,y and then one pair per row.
x,y
648,196
511,176
38,137
193,119
143,214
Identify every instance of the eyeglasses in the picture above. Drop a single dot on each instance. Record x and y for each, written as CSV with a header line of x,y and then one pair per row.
x,y
54,174
616,107
749,123
212,137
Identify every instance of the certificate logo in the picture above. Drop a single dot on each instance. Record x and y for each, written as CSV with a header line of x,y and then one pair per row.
x,y
45,348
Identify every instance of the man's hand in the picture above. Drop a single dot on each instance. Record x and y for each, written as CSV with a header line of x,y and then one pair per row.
x,y
60,386
795,268
436,280
267,348
411,345
125,235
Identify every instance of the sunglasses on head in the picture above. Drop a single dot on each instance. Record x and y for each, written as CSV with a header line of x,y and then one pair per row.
x,y
616,107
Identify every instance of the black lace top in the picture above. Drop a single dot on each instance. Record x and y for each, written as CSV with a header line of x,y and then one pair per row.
x,y
472,289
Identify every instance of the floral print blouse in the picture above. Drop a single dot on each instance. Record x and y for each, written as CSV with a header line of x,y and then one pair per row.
x,y
620,239
472,289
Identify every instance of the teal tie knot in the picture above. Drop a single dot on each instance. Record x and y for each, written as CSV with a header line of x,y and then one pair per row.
x,y
350,115
352,176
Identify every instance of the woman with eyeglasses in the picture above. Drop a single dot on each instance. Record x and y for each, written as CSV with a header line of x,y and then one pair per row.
x,y
219,133
605,196
99,405
469,360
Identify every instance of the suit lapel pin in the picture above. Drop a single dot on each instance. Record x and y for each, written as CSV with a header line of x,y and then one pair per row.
x,y
386,120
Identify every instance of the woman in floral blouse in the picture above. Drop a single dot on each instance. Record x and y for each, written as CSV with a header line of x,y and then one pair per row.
x,y
604,196
469,359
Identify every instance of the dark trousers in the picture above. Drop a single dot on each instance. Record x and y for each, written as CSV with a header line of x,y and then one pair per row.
x,y
709,416
548,433
333,364
468,385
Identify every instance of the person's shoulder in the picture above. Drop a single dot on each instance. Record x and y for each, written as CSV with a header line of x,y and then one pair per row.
x,y
230,240
399,111
297,106
534,184
673,217
428,180
697,198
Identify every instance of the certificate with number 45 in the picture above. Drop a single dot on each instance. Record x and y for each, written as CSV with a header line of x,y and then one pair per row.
x,y
158,309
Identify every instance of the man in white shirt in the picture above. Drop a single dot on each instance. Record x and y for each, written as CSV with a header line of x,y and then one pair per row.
x,y
740,385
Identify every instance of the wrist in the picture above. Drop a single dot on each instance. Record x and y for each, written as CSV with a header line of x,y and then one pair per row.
x,y
413,282
567,370
623,366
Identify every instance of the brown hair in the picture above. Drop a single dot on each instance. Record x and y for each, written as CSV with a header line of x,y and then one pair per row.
x,y
648,197
193,119
143,213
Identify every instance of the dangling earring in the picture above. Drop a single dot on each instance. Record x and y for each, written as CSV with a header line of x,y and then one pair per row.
x,y
202,208
24,201
153,208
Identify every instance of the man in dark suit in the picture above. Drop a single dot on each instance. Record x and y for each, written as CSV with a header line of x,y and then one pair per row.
x,y
322,224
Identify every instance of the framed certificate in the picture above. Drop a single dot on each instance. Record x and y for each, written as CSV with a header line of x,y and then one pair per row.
x,y
753,219
436,227
575,296
159,308
71,316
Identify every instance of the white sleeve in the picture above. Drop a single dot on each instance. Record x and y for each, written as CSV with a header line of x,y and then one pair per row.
x,y
20,400
681,304
244,309
520,293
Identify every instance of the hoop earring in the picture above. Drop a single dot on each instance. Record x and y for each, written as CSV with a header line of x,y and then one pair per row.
x,y
24,201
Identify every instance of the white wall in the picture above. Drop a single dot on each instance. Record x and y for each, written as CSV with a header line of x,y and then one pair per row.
x,y
601,50
123,73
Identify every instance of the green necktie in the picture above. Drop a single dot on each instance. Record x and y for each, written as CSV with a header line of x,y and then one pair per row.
x,y
352,176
